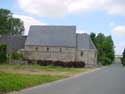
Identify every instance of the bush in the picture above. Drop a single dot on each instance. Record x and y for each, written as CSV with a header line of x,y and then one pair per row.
x,y
29,61
3,53
123,61
17,56
44,63
62,64
106,61
123,58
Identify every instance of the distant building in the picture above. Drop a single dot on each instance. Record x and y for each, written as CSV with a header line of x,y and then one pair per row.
x,y
56,43
13,42
59,43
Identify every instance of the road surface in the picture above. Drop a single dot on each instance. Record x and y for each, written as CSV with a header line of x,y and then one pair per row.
x,y
109,80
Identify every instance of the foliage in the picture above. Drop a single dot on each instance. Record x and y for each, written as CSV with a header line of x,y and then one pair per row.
x,y
105,47
10,82
93,35
3,53
17,56
62,64
123,58
9,24
105,61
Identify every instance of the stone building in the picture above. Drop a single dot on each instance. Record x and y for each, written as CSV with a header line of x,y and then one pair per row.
x,y
59,43
13,42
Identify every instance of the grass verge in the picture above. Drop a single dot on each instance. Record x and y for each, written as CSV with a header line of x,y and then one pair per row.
x,y
11,82
17,77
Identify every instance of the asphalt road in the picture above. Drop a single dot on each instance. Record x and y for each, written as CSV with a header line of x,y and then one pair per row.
x,y
109,80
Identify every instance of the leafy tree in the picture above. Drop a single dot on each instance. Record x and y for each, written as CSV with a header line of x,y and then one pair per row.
x,y
99,44
93,36
123,59
3,53
109,47
17,56
9,24
105,47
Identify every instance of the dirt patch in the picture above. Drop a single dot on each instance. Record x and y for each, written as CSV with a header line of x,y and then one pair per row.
x,y
36,72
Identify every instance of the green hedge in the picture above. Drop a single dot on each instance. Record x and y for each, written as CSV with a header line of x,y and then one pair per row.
x,y
123,58
17,56
106,61
123,61
3,53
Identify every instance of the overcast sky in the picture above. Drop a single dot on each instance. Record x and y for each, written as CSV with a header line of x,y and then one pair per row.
x,y
106,16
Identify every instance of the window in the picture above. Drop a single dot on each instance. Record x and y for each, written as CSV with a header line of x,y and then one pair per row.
x,y
82,53
36,48
47,49
60,49
95,54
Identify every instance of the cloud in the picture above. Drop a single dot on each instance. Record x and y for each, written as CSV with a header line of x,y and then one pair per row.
x,y
59,8
118,33
114,7
81,5
119,48
80,31
119,30
49,8
28,21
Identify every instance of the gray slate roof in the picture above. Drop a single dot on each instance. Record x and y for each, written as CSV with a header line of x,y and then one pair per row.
x,y
61,36
52,36
13,42
84,42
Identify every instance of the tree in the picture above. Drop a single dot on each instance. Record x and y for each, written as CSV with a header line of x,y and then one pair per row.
x,y
105,47
3,53
93,36
99,44
123,58
9,24
109,47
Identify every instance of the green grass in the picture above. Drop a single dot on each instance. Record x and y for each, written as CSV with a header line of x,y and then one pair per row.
x,y
12,82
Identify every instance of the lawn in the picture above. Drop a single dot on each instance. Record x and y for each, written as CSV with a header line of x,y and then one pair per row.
x,y
17,77
12,82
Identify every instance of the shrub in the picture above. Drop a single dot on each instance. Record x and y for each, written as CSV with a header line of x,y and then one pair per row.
x,y
62,64
123,61
123,58
106,61
29,61
3,53
17,56
44,63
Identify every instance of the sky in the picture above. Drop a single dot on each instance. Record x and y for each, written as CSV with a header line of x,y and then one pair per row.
x,y
105,16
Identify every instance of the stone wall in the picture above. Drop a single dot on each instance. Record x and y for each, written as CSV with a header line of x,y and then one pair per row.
x,y
49,53
88,56
61,54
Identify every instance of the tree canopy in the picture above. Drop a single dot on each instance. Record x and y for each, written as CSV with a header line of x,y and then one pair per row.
x,y
9,24
123,58
105,47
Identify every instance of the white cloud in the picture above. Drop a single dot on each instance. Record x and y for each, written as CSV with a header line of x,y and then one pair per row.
x,y
59,8
80,31
81,5
50,8
119,30
118,33
28,21
119,48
